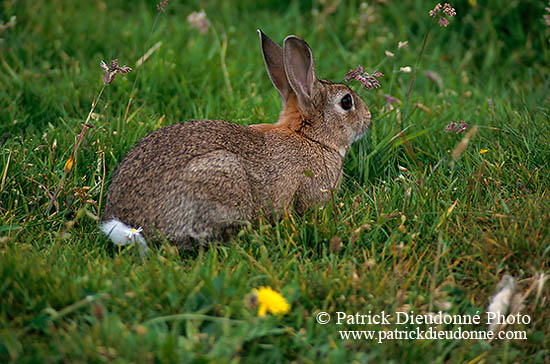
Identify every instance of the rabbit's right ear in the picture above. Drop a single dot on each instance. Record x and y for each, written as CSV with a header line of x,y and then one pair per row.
x,y
273,59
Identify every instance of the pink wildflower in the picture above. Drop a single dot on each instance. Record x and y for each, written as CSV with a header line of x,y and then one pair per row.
x,y
199,21
448,10
457,127
436,10
162,5
109,73
369,81
442,11
491,103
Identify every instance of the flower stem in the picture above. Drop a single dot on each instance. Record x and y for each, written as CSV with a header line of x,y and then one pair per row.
x,y
409,92
222,44
139,70
71,161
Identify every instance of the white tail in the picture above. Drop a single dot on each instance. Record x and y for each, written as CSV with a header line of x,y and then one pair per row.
x,y
122,234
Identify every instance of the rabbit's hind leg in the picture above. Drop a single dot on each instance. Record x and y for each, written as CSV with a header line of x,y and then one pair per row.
x,y
214,195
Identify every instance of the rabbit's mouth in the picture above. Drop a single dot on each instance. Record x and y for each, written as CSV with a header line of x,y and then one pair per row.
x,y
360,134
357,134
364,124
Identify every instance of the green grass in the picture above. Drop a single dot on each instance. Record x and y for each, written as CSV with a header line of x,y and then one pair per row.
x,y
394,244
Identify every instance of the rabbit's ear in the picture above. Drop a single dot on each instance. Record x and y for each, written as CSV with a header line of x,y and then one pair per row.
x,y
273,59
300,69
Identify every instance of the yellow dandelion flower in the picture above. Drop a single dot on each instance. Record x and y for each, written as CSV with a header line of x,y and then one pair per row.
x,y
270,301
483,151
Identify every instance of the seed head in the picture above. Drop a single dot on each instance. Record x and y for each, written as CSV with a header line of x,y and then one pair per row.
x,y
109,73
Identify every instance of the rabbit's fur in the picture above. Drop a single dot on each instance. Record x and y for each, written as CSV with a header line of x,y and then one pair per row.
x,y
190,182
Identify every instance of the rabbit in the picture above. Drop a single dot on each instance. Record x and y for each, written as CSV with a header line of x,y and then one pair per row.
x,y
196,181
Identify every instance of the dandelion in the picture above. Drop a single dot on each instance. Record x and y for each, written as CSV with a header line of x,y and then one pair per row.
x,y
483,151
457,127
109,73
369,81
199,21
441,11
268,301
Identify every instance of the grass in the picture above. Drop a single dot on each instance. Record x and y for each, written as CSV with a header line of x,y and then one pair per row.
x,y
414,229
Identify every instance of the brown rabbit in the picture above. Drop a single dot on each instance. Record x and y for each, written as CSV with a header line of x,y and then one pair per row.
x,y
190,182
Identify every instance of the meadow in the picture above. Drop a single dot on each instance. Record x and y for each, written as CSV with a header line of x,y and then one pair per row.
x,y
428,217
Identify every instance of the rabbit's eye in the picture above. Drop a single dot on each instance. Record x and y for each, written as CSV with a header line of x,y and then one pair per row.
x,y
346,102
